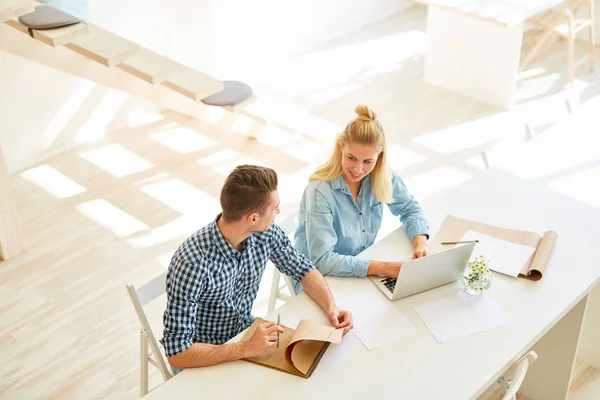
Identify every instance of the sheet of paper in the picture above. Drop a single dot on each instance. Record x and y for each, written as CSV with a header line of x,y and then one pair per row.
x,y
462,315
338,354
376,321
505,257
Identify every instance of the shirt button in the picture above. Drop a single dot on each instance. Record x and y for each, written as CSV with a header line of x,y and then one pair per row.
x,y
359,213
363,230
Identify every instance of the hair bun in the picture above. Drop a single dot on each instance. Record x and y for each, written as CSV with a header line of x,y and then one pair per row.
x,y
364,113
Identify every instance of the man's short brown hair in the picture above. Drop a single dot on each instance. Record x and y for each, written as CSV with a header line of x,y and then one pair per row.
x,y
246,190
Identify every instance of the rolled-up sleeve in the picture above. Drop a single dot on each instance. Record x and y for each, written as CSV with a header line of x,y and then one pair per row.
x,y
184,286
286,258
321,238
410,212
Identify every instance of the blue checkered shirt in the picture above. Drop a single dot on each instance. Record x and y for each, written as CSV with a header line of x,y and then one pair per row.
x,y
211,286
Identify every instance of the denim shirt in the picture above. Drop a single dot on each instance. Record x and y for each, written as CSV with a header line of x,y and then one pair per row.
x,y
333,228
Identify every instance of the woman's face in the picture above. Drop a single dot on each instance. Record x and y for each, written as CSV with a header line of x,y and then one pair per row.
x,y
358,160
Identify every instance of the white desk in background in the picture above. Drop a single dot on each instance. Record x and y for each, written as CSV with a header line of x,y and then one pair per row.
x,y
474,46
546,315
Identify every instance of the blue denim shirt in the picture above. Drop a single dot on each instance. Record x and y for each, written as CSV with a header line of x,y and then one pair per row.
x,y
333,228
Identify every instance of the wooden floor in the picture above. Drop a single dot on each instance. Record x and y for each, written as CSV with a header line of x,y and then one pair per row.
x,y
112,212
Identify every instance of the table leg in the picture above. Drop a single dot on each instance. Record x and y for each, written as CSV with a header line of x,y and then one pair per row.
x,y
472,56
589,345
549,377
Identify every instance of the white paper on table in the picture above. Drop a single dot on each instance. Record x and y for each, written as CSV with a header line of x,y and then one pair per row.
x,y
337,354
505,257
376,321
461,315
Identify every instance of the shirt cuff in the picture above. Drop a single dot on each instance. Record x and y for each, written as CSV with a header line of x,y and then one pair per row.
x,y
174,347
418,229
360,267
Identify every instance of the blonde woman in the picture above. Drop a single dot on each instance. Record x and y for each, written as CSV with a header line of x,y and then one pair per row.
x,y
342,206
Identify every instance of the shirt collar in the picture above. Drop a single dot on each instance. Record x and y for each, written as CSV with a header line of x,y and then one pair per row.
x,y
223,245
340,184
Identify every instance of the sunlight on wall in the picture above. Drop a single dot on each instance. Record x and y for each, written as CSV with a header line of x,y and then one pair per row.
x,y
116,160
52,181
66,112
111,218
183,140
434,181
95,127
583,186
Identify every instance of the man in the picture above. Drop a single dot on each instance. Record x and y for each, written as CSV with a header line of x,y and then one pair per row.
x,y
214,276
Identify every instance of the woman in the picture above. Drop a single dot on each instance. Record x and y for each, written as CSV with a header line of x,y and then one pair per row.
x,y
342,205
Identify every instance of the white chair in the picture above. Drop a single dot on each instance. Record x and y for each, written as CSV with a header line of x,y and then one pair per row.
x,y
509,383
288,225
149,349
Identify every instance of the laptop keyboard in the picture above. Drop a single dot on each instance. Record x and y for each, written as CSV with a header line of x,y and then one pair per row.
x,y
389,283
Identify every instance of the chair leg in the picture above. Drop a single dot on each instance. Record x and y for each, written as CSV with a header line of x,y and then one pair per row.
x,y
143,363
274,289
543,42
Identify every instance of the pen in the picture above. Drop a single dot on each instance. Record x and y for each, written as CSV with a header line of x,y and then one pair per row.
x,y
462,241
278,322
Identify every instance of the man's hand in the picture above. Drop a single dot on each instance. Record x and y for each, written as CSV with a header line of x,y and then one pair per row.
x,y
263,338
341,319
420,248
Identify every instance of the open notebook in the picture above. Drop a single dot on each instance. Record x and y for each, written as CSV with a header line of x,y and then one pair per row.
x,y
300,350
454,229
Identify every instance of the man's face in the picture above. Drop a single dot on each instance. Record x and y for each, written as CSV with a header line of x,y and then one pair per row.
x,y
264,221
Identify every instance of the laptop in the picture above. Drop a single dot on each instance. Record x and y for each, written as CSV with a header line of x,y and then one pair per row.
x,y
426,273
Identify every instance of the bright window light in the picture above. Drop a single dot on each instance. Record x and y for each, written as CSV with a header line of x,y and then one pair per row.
x,y
183,140
471,134
139,118
111,218
116,160
225,155
182,196
53,181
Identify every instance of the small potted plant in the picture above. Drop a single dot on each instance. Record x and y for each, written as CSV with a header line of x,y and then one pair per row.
x,y
477,276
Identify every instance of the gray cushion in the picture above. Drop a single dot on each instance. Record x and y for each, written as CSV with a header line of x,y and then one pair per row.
x,y
46,17
233,93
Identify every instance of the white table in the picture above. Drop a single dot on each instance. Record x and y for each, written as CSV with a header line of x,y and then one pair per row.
x,y
543,314
474,46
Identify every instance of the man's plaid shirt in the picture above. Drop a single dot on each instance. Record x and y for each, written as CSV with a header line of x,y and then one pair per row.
x,y
211,286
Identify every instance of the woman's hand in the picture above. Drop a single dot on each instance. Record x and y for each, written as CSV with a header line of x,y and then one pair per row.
x,y
420,248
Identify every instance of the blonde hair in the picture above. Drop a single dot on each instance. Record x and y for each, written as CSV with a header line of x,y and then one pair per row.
x,y
365,129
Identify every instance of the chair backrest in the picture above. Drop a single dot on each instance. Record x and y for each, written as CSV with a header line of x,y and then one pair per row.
x,y
288,225
139,298
518,375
